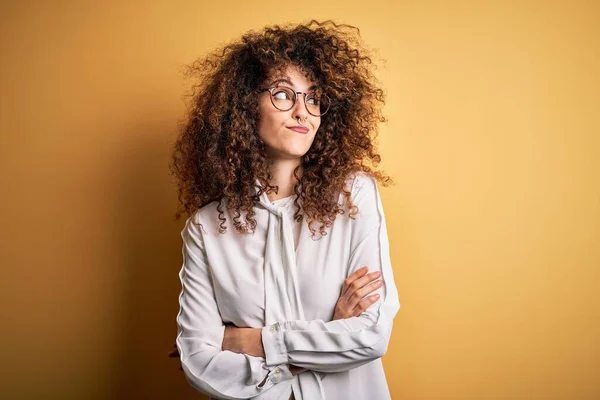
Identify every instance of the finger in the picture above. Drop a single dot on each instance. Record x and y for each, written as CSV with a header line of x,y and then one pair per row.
x,y
357,296
359,284
352,277
363,281
368,289
364,304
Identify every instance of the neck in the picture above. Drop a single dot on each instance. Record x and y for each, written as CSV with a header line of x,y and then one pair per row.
x,y
283,176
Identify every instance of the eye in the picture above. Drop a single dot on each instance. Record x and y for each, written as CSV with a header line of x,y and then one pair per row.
x,y
282,94
313,99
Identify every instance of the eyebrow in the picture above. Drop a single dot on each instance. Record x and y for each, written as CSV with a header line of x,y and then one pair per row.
x,y
285,80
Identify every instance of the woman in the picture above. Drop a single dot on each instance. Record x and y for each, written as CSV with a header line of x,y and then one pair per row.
x,y
278,139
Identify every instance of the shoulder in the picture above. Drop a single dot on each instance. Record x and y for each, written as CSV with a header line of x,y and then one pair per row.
x,y
202,221
365,195
206,213
361,184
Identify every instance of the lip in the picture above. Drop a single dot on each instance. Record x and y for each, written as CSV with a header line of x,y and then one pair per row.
x,y
298,128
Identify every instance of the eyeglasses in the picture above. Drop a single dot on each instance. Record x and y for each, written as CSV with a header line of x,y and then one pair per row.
x,y
284,99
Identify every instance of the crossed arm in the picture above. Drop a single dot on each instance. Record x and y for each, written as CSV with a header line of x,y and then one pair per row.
x,y
237,362
353,301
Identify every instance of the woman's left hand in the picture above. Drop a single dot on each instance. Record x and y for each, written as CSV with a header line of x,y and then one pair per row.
x,y
175,354
243,340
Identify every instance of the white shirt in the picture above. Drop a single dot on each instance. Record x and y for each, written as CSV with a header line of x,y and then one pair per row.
x,y
287,283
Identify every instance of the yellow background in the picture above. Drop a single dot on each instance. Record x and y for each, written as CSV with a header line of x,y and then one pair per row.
x,y
494,221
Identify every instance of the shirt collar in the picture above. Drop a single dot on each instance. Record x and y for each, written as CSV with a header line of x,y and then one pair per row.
x,y
266,203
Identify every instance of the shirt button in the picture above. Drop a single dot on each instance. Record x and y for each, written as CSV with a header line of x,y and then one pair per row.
x,y
276,371
272,328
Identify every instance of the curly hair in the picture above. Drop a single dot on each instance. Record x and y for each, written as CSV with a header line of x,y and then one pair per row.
x,y
218,154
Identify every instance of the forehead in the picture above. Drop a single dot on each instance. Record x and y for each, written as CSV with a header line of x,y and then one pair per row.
x,y
291,75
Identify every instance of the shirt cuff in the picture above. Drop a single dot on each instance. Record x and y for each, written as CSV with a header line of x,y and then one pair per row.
x,y
272,340
280,373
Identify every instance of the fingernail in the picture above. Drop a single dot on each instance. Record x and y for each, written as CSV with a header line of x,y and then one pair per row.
x,y
377,274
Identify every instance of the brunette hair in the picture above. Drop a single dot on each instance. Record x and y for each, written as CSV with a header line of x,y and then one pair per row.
x,y
218,154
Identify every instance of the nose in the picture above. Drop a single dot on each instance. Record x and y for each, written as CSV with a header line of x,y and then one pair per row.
x,y
299,110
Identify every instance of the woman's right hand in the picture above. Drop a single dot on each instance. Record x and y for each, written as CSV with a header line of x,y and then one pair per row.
x,y
352,301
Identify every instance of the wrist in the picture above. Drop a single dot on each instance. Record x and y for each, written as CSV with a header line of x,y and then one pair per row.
x,y
295,370
258,344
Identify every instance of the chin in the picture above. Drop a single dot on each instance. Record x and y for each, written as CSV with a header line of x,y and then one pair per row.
x,y
292,152
294,155
289,151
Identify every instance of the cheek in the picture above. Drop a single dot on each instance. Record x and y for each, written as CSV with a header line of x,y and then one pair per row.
x,y
317,124
267,126
265,123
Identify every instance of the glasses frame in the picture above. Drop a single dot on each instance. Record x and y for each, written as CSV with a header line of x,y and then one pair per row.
x,y
295,99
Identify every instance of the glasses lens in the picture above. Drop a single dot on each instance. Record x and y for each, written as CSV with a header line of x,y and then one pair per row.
x,y
317,103
283,98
